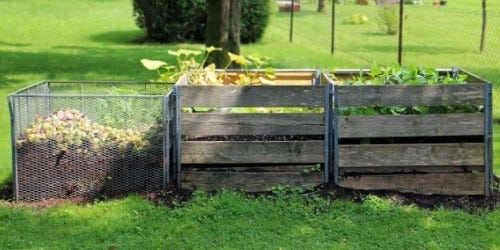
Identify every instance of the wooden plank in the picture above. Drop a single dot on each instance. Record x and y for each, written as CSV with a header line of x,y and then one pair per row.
x,y
247,152
246,181
252,96
409,170
445,184
471,124
400,155
281,77
250,168
205,124
410,95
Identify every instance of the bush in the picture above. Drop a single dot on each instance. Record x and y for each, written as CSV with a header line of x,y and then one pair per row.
x,y
185,21
389,18
171,20
356,19
254,19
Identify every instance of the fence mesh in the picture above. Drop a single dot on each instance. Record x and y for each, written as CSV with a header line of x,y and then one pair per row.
x,y
71,142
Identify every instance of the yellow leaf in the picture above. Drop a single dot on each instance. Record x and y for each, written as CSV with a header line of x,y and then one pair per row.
x,y
152,64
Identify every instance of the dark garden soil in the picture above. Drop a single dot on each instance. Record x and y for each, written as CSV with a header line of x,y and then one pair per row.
x,y
172,197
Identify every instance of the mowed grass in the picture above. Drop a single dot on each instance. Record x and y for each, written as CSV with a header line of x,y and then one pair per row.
x,y
96,40
230,220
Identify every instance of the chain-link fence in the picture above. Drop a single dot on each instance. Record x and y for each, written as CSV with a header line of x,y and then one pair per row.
x,y
87,139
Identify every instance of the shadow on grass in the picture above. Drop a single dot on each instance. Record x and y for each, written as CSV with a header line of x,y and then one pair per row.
x,y
120,37
85,63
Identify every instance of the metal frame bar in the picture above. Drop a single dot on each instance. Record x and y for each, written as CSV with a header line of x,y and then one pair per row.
x,y
15,182
488,136
335,134
166,139
178,133
328,132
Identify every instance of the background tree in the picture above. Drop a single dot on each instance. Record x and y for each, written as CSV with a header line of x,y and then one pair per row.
x,y
321,6
223,30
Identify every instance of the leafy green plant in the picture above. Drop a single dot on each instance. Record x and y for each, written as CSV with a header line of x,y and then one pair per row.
x,y
398,75
395,75
198,74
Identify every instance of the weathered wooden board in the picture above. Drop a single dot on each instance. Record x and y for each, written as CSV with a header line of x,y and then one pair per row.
x,y
248,152
251,168
247,181
410,95
471,124
401,155
409,170
446,184
252,96
281,77
205,124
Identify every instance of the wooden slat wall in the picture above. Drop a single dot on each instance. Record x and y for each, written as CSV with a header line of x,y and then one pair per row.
x,y
206,124
454,168
243,152
471,124
410,95
252,96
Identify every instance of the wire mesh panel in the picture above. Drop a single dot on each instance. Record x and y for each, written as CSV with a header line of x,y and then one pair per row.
x,y
87,139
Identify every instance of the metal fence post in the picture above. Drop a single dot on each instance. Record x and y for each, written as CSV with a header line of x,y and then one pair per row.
x,y
488,136
335,134
12,102
166,138
178,133
328,132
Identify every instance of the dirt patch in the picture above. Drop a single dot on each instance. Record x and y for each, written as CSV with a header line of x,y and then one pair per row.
x,y
173,197
471,204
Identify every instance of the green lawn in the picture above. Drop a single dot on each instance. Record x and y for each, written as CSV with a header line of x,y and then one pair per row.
x,y
95,40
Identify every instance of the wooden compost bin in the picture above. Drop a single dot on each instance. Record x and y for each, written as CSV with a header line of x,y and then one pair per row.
x,y
420,153
251,151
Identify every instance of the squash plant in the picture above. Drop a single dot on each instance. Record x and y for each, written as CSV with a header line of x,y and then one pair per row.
x,y
200,74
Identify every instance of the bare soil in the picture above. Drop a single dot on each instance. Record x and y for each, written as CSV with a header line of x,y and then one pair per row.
x,y
172,197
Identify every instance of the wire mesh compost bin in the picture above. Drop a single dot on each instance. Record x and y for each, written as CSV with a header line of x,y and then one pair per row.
x,y
84,140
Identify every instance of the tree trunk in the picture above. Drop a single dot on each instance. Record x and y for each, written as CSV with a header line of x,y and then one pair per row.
x,y
217,31
223,30
483,28
233,41
321,6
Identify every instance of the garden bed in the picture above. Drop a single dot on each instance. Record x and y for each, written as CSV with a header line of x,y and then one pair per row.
x,y
429,139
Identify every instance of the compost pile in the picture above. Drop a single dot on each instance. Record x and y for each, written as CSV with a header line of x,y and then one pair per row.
x,y
66,155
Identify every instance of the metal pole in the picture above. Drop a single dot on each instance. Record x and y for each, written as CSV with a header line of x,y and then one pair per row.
x,y
13,134
400,38
332,48
291,20
488,137
336,134
178,133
